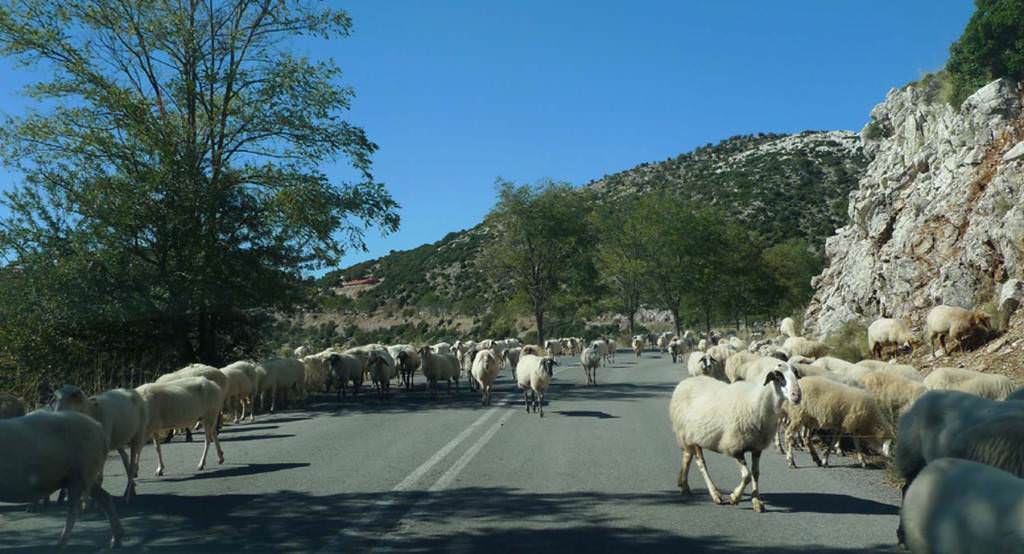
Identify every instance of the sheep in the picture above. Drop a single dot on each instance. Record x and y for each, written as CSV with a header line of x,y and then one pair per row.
x,y
663,341
531,349
889,334
180,402
533,377
282,374
702,345
731,419
735,362
787,327
737,343
438,367
719,354
799,346
553,347
45,451
590,359
511,357
675,349
194,370
318,371
698,364
486,368
754,370
302,352
124,416
839,408
11,406
408,359
445,348
950,324
612,349
985,385
601,347
346,368
963,506
903,370
382,369
894,391
832,364
638,347
239,390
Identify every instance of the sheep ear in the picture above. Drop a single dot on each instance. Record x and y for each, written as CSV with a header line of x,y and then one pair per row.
x,y
771,376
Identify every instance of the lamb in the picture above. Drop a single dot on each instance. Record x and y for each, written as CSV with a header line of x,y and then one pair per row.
x,y
963,506
239,390
179,403
893,391
45,451
590,359
985,385
731,419
788,327
841,409
11,406
903,370
408,359
699,364
486,368
638,347
952,325
533,377
346,368
889,334
438,367
280,374
799,346
553,347
124,416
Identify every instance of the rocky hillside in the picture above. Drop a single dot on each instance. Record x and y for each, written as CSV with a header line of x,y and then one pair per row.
x,y
938,217
783,185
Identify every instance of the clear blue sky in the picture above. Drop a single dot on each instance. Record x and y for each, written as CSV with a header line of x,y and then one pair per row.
x,y
457,93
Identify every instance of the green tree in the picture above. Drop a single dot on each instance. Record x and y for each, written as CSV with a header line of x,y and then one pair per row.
x,y
620,257
992,46
540,245
667,240
792,265
172,190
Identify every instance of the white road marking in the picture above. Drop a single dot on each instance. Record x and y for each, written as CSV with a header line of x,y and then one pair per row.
x,y
453,472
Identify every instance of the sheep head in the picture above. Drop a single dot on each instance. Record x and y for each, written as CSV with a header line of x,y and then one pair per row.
x,y
785,381
69,397
548,364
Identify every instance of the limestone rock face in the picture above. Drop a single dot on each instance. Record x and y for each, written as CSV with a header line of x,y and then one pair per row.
x,y
938,217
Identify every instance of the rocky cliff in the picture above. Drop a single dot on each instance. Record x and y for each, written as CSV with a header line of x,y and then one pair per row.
x,y
938,217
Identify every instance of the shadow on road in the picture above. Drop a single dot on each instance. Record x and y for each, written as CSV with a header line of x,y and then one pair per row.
x,y
234,471
240,427
586,413
503,520
824,503
242,438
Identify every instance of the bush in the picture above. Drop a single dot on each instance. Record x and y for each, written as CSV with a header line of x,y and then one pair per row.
x,y
991,47
850,342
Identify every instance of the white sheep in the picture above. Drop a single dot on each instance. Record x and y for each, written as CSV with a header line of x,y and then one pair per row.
x,y
842,409
438,368
531,349
903,370
486,368
702,345
731,419
985,385
638,346
590,359
533,377
382,370
892,390
347,368
601,347
124,416
799,346
951,325
280,374
318,370
11,406
408,359
302,352
45,451
177,404
663,340
698,364
446,348
195,370
553,347
737,343
886,334
963,506
787,327
676,347
734,363
239,390
511,357
718,355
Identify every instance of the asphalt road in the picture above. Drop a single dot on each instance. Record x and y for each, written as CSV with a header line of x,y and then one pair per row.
x,y
598,472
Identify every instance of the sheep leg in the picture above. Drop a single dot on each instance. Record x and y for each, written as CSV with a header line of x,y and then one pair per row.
x,y
129,489
755,474
273,398
159,458
737,493
716,496
103,501
540,402
684,472
526,400
789,448
74,509
860,452
814,453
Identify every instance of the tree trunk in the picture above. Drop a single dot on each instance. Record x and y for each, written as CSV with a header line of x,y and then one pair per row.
x,y
539,316
707,323
678,324
631,318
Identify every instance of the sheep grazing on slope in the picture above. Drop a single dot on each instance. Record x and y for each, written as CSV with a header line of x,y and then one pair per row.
x,y
45,451
11,406
985,385
179,403
408,359
799,346
893,391
239,390
533,377
843,410
486,368
124,416
731,419
963,506
951,326
788,327
590,359
889,335
439,368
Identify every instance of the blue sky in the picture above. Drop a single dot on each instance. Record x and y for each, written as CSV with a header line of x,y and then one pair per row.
x,y
457,93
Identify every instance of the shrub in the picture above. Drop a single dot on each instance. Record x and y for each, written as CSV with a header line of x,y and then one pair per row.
x,y
850,342
991,47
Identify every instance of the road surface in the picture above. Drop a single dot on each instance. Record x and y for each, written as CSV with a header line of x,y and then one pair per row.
x,y
598,472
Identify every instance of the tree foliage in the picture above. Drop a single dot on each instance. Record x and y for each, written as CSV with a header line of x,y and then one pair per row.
x,y
172,190
992,46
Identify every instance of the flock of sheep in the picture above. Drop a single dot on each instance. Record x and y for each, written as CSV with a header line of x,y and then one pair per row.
x,y
739,398
64,445
953,429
